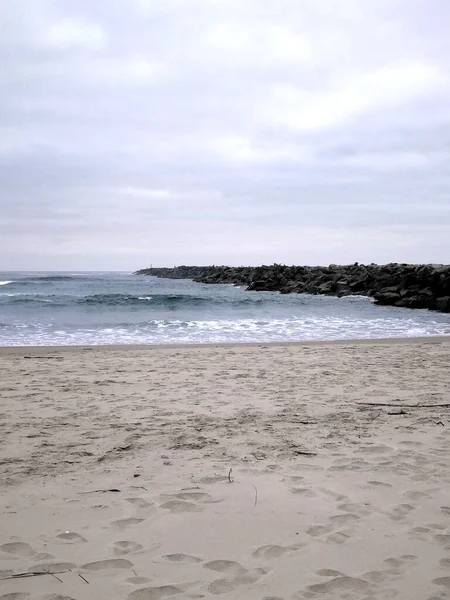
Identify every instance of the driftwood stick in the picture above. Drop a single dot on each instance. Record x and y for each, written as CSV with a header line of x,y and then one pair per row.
x,y
53,575
32,574
443,405
256,495
100,491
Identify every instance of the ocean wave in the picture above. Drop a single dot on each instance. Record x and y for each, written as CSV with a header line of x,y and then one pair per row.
x,y
51,278
47,279
162,300
169,301
30,300
5,282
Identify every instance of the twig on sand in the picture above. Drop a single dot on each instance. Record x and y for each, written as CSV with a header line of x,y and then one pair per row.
x,y
32,574
443,405
46,357
134,572
100,491
79,575
304,452
53,575
229,476
256,494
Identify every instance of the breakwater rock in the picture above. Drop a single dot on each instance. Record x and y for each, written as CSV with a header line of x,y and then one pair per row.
x,y
395,284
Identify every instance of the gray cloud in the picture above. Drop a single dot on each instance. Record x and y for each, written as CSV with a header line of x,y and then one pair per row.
x,y
223,131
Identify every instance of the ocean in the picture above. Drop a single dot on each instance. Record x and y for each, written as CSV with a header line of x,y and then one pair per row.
x,y
122,308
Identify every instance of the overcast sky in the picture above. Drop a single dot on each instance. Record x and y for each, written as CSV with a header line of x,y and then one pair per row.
x,y
164,132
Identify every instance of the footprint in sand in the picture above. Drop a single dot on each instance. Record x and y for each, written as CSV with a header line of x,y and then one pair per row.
x,y
139,502
442,538
344,519
71,537
191,496
124,523
272,551
375,449
377,576
436,526
18,549
396,564
15,596
155,593
179,506
182,558
338,538
137,580
195,496
329,573
126,547
317,530
56,597
112,563
354,508
229,567
443,581
236,575
401,511
214,479
415,495
420,533
305,492
336,496
393,562
343,583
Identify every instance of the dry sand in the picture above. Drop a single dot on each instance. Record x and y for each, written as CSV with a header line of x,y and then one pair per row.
x,y
115,462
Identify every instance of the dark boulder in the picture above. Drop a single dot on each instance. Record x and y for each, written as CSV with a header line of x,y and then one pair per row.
x,y
386,298
442,304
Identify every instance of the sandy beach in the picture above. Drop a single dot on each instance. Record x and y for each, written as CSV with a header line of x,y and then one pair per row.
x,y
257,472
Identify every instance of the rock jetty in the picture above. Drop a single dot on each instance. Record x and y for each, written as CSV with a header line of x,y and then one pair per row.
x,y
403,285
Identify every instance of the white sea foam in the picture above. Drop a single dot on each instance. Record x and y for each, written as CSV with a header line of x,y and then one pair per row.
x,y
166,331
145,297
5,282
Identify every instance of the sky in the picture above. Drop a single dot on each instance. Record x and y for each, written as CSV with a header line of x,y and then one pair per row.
x,y
242,132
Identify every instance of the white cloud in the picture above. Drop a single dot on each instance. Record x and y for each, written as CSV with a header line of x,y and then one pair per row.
x,y
256,43
146,193
69,33
351,96
242,150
